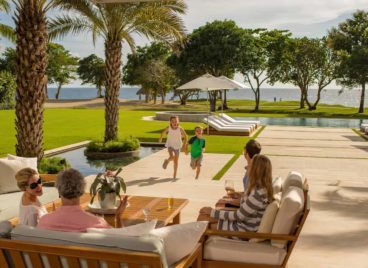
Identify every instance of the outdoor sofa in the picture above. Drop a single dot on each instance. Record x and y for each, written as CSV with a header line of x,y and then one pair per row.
x,y
272,245
363,127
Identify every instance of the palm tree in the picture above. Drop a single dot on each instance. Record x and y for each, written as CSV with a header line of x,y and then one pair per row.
x,y
116,23
31,44
5,30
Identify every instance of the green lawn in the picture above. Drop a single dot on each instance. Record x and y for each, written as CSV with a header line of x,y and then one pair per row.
x,y
66,126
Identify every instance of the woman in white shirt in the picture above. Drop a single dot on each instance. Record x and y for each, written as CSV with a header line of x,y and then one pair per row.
x,y
30,208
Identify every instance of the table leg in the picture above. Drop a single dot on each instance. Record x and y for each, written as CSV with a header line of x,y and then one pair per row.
x,y
176,219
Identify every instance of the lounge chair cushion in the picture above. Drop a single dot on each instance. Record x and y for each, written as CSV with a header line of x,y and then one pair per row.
x,y
145,243
225,249
8,169
268,218
180,239
291,205
293,179
132,230
277,185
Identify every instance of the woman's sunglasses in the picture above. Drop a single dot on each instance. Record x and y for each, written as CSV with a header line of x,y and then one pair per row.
x,y
34,185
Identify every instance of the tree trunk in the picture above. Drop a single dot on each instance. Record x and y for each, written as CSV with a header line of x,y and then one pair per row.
x,y
314,106
146,97
154,97
31,64
113,51
99,92
258,97
362,96
162,97
58,92
302,100
224,103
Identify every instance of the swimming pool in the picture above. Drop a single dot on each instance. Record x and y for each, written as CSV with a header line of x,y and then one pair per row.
x,y
79,161
311,122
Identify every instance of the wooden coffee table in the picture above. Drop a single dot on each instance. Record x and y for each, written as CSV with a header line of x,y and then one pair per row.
x,y
158,207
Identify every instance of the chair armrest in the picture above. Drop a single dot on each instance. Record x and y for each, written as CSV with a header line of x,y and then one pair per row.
x,y
251,235
195,256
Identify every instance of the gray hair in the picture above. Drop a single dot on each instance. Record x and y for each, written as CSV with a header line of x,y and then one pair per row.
x,y
70,183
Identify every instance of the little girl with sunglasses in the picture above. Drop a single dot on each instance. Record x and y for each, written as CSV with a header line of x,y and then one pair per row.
x,y
30,208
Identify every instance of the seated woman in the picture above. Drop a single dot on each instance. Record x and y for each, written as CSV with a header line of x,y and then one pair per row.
x,y
253,203
70,217
30,208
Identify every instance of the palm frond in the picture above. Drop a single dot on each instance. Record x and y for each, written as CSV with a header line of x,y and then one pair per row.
x,y
4,6
7,32
61,26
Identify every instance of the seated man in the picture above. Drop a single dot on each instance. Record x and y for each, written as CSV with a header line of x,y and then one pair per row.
x,y
252,148
70,217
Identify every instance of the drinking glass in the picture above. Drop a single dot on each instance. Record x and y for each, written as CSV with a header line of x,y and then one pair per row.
x,y
146,212
170,202
229,187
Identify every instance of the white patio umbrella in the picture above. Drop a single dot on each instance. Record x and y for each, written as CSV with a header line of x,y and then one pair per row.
x,y
209,82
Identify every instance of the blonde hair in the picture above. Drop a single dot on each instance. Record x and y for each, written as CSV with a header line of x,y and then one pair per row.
x,y
22,177
260,175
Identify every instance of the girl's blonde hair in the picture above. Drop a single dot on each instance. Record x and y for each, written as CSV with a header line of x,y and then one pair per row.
x,y
260,175
22,177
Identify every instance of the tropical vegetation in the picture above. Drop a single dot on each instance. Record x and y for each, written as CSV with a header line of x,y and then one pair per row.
x,y
52,165
122,145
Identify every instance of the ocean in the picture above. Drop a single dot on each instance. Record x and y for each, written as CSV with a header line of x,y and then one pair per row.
x,y
330,96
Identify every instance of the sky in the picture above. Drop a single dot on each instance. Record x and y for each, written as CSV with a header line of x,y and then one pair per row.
x,y
312,18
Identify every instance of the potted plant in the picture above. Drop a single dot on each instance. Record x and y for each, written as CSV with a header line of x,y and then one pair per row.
x,y
50,167
107,186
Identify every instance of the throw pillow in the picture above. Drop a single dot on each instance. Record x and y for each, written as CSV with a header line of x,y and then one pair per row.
x,y
268,218
180,239
293,179
8,169
290,207
277,185
31,161
133,230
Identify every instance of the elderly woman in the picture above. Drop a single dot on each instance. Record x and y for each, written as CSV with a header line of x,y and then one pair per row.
x,y
70,217
30,208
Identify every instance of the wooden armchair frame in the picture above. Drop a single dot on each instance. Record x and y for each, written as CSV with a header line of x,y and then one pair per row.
x,y
92,256
291,240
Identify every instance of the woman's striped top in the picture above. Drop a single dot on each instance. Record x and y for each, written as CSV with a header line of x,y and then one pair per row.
x,y
247,217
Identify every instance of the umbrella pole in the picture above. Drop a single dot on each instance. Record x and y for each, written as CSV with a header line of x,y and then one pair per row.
x,y
209,111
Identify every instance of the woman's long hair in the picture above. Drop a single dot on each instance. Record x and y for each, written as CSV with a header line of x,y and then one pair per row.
x,y
260,175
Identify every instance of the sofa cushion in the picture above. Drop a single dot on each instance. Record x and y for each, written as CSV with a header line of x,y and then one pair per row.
x,y
32,161
145,243
8,169
224,249
180,239
290,207
277,185
132,230
293,179
268,218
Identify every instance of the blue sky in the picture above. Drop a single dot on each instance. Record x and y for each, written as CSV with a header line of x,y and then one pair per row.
x,y
312,18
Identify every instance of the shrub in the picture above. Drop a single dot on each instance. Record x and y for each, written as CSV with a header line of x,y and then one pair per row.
x,y
52,165
7,90
125,145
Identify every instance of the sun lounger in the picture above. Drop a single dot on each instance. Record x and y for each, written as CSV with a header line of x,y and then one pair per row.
x,y
219,121
232,120
363,127
215,128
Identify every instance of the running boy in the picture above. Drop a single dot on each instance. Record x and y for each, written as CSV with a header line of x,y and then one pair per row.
x,y
174,142
198,145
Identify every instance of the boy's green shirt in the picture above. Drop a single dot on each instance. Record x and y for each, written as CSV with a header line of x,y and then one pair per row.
x,y
196,146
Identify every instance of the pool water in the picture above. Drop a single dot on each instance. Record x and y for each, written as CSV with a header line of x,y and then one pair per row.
x,y
79,161
311,122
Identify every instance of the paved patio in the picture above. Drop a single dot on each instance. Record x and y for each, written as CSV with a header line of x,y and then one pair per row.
x,y
335,161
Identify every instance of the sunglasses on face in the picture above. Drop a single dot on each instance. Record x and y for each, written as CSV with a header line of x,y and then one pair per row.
x,y
34,185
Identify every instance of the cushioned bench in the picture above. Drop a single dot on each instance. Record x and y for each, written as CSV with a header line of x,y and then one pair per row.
x,y
272,245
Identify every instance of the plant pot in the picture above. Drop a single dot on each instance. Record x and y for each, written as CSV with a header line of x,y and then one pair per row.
x,y
109,201
48,177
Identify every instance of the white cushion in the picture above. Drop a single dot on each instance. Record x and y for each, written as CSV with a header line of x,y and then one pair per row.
x,y
8,169
293,179
145,243
225,249
268,218
180,239
277,185
32,161
290,207
132,230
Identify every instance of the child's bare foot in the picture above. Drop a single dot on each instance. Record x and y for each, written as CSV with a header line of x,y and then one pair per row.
x,y
196,177
164,165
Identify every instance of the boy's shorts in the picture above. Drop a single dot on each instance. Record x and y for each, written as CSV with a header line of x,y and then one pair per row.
x,y
196,162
